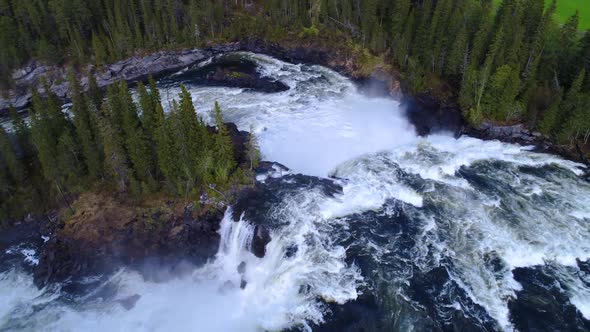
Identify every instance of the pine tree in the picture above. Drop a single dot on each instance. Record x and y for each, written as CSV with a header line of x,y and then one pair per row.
x,y
22,131
95,94
224,154
115,159
86,128
8,155
253,149
136,143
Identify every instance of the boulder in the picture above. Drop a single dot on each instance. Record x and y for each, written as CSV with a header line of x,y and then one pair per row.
x,y
260,240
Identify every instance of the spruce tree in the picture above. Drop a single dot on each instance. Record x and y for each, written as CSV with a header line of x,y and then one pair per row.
x,y
22,131
166,150
457,53
551,116
571,105
499,99
95,94
115,158
253,149
568,49
86,128
192,143
136,142
9,157
224,153
148,109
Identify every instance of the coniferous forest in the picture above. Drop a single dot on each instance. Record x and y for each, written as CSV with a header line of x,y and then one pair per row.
x,y
110,142
507,63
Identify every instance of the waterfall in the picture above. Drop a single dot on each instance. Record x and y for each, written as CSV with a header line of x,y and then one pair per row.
x,y
372,228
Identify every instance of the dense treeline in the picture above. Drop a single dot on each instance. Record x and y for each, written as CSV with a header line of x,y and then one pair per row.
x,y
111,142
508,63
512,63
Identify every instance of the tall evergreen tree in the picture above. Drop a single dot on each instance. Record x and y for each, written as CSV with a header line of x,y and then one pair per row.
x,y
9,157
253,149
136,142
571,103
86,127
115,157
223,148
22,131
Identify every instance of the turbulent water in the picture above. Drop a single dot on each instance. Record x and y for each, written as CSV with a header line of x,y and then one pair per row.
x,y
373,228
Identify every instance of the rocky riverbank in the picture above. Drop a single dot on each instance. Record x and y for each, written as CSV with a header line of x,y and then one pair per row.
x,y
132,69
103,231
426,111
139,67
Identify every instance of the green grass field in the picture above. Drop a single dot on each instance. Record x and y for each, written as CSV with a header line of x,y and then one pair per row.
x,y
566,8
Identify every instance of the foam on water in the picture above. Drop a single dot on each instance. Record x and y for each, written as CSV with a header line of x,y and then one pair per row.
x,y
320,122
474,200
278,291
521,228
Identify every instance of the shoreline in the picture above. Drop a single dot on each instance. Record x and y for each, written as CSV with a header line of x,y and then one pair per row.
x,y
424,111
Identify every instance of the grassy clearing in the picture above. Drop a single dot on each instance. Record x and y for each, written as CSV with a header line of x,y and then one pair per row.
x,y
567,8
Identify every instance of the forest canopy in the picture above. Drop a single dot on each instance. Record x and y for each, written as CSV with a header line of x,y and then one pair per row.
x,y
507,61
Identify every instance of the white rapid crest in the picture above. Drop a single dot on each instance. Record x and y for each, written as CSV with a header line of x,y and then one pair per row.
x,y
237,291
319,123
481,199
483,210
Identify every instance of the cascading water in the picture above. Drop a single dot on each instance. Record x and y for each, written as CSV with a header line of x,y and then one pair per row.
x,y
373,228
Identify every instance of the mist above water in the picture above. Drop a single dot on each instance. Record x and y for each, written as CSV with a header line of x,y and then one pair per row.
x,y
431,229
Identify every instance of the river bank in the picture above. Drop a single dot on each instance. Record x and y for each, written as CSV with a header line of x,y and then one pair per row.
x,y
97,232
366,222
132,235
427,111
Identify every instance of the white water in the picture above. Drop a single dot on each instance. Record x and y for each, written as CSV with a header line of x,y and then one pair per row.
x,y
319,123
322,126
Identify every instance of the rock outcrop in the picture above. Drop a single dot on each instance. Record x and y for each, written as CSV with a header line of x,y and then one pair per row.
x,y
105,233
520,134
231,70
131,69
139,67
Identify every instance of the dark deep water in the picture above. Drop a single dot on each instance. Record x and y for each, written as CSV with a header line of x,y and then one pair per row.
x,y
373,229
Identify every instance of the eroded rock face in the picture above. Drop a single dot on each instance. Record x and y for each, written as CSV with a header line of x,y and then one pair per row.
x,y
260,240
105,234
428,117
131,69
139,67
232,70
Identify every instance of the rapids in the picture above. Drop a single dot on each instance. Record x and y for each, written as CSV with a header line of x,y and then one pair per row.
x,y
372,228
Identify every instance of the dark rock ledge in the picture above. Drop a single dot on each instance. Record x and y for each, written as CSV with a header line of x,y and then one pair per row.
x,y
519,134
131,69
104,232
159,63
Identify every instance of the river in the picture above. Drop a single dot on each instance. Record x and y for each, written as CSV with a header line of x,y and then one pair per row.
x,y
373,228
